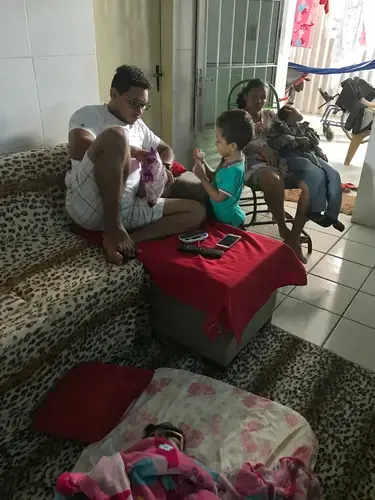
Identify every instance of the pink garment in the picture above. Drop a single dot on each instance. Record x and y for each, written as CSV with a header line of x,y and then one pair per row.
x,y
153,469
304,20
326,5
154,177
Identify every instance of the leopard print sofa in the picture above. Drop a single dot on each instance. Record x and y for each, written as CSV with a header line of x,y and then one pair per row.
x,y
61,303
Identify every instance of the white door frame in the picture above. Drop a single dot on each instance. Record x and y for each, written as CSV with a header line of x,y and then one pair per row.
x,y
284,45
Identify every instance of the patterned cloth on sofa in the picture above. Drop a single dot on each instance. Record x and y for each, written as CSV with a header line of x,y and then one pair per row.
x,y
60,301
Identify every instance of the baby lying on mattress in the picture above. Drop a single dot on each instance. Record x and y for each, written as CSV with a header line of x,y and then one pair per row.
x,y
157,468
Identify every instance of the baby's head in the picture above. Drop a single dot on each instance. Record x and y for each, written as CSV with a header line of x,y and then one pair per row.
x,y
289,114
234,131
168,431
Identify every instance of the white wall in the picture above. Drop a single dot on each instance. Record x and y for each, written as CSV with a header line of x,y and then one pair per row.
x,y
183,79
47,69
364,210
284,45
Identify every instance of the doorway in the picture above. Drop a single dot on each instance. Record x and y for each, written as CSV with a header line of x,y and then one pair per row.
x,y
236,40
128,32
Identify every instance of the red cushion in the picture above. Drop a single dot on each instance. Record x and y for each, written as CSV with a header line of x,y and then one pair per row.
x,y
89,401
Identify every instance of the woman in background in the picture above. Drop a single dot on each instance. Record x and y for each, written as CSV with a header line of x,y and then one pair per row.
x,y
264,172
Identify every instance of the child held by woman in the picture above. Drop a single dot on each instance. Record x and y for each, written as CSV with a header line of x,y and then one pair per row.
x,y
292,137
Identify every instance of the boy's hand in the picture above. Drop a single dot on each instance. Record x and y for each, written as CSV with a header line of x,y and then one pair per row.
x,y
199,169
198,155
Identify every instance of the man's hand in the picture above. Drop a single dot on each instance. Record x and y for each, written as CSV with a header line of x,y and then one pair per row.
x,y
139,154
271,157
118,244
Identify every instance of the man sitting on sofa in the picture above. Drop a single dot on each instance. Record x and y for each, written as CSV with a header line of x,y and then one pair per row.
x,y
102,186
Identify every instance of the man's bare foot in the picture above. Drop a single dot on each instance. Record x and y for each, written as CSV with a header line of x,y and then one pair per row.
x,y
118,245
113,255
297,249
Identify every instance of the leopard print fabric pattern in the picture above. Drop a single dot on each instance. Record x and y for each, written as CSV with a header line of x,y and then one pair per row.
x,y
61,303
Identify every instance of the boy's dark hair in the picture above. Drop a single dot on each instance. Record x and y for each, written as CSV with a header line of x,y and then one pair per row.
x,y
129,76
255,83
236,126
283,112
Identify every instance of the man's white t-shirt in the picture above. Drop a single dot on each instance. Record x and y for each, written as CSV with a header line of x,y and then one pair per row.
x,y
97,118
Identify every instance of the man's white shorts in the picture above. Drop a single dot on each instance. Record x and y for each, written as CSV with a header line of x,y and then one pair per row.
x,y
84,205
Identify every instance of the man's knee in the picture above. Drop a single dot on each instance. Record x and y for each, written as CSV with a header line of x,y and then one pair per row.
x,y
198,211
112,140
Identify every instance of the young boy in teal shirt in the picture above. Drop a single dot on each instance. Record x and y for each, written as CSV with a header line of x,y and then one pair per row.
x,y
234,130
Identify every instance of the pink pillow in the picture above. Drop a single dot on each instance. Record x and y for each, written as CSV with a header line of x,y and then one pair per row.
x,y
89,401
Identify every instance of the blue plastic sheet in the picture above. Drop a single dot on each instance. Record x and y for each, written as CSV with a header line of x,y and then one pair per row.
x,y
364,66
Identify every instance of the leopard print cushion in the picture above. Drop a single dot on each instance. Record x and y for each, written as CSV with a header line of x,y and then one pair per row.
x,y
61,303
34,164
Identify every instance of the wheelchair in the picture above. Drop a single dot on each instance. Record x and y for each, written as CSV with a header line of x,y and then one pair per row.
x,y
255,204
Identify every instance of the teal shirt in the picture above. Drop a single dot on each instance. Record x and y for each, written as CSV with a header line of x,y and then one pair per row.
x,y
230,180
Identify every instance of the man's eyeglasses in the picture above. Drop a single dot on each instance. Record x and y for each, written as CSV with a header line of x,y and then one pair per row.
x,y
135,104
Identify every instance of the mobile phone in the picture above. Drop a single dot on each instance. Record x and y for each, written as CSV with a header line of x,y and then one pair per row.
x,y
228,241
193,236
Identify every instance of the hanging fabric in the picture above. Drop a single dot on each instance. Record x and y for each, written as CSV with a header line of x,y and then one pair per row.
x,y
348,31
326,5
304,20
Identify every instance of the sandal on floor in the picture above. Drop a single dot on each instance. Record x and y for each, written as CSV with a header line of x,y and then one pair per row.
x,y
351,186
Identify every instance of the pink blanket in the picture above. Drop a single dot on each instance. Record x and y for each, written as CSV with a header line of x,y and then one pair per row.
x,y
154,469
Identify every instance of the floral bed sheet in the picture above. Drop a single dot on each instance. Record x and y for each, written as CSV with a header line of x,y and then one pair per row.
x,y
224,426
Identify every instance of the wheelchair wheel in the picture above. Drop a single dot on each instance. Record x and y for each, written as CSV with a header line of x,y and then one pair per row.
x,y
328,133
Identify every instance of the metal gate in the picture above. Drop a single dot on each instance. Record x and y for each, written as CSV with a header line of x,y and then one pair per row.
x,y
236,39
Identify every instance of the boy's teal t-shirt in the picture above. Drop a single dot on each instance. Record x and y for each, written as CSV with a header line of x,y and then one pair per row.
x,y
230,180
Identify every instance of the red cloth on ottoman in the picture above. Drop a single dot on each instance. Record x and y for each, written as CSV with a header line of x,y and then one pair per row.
x,y
231,289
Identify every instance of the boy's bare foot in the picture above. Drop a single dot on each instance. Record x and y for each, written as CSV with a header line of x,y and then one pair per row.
x,y
297,249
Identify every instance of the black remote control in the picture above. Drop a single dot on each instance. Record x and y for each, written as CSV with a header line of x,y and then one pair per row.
x,y
214,253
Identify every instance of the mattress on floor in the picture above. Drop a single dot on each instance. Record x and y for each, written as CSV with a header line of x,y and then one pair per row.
x,y
224,426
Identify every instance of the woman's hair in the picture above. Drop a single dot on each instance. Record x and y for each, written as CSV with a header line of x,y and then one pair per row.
x,y
236,127
256,83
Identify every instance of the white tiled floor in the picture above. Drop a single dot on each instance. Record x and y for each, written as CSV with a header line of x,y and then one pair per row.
x,y
336,309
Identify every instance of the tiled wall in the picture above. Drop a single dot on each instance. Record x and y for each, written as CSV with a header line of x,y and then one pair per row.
x,y
47,69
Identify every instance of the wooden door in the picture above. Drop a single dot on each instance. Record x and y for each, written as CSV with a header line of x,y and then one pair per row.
x,y
128,32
